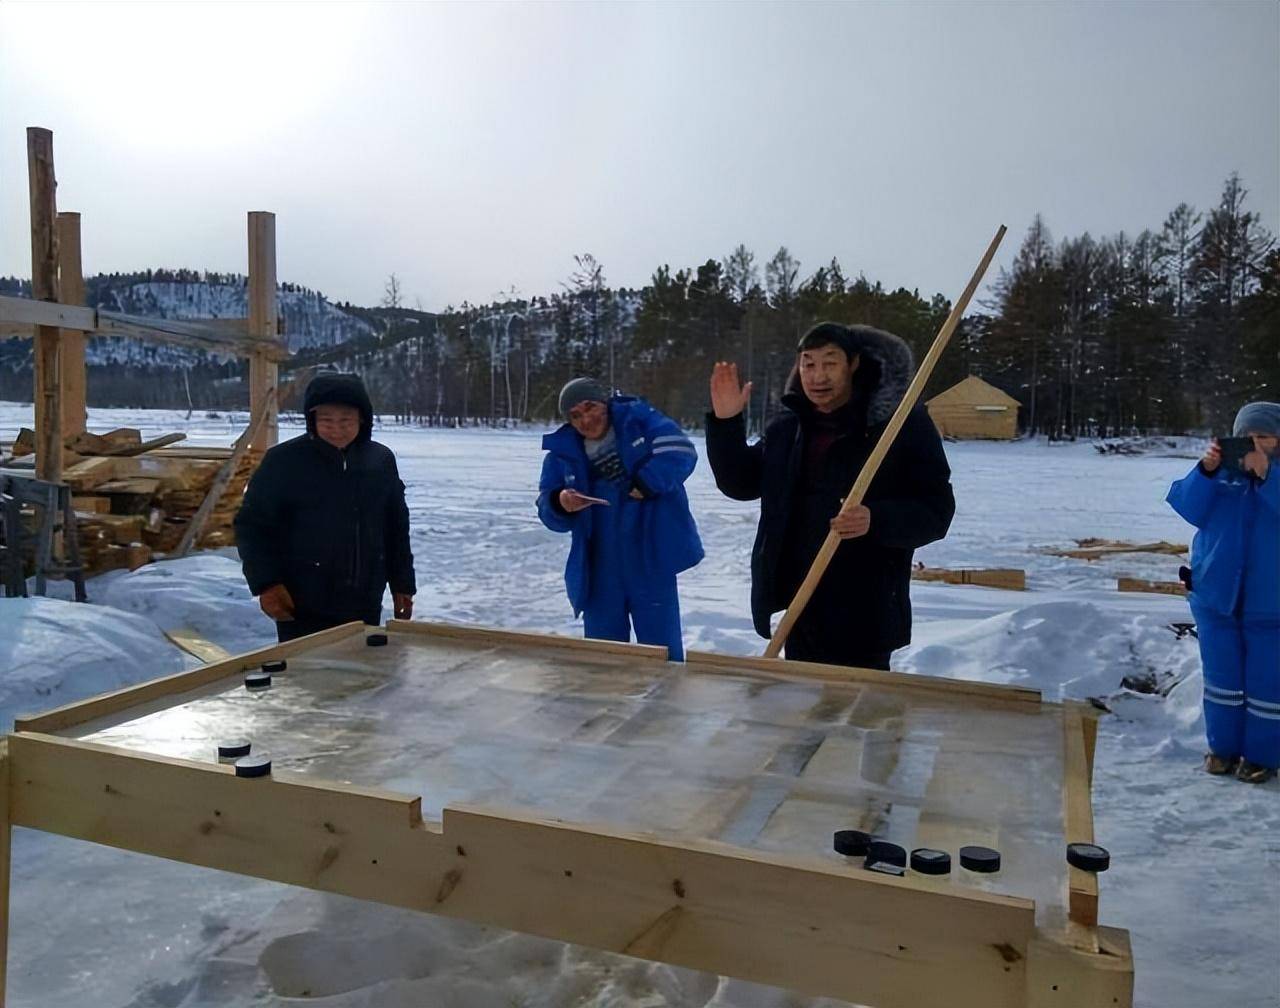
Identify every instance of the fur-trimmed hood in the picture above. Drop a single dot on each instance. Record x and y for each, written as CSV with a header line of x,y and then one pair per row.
x,y
884,371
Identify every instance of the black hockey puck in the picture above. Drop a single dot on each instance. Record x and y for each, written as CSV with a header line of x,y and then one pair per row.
x,y
851,842
928,861
1088,857
275,665
980,859
376,640
889,853
256,682
254,766
232,749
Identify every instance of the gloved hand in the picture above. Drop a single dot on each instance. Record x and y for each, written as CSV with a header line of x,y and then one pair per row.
x,y
277,603
402,605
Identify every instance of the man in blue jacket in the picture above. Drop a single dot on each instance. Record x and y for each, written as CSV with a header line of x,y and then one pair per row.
x,y
614,477
1235,595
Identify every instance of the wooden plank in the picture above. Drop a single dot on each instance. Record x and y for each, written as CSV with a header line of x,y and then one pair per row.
x,y
263,371
786,669
1082,886
44,287
91,473
1060,976
498,638
27,312
71,280
1128,584
1008,578
191,535
1104,548
192,643
169,687
90,504
818,930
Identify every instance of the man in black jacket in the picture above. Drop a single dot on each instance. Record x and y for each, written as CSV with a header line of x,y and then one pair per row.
x,y
324,527
845,385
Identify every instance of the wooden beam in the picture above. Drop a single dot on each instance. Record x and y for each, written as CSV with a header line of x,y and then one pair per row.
x,y
164,691
815,928
1008,578
71,283
1082,886
501,638
1128,584
786,669
193,644
44,287
263,371
1060,976
221,336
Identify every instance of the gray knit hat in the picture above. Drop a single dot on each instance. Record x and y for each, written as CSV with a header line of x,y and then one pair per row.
x,y
1255,418
581,390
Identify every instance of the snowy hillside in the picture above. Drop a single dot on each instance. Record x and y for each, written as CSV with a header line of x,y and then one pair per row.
x,y
1196,860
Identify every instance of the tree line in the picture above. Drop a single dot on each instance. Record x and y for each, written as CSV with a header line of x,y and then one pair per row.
x,y
1165,331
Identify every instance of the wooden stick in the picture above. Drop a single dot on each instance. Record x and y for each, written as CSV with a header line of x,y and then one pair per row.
x,y
44,287
71,287
250,434
881,449
263,370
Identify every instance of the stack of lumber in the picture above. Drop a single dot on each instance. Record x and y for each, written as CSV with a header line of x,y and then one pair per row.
x,y
135,498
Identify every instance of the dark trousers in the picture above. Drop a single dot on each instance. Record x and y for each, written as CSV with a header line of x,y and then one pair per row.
x,y
811,641
303,624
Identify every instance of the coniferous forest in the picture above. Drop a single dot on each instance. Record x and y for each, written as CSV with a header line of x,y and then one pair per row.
x,y
1165,331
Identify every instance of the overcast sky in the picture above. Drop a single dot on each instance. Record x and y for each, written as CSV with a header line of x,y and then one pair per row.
x,y
473,147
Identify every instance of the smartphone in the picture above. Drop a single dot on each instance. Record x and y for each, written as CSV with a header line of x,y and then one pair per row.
x,y
1234,449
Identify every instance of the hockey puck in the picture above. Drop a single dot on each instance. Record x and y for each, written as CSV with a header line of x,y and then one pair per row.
x,y
980,859
928,861
376,640
851,842
254,766
275,665
233,749
256,682
883,850
1088,857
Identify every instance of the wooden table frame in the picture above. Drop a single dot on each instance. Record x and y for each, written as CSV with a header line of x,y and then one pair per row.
x,y
806,925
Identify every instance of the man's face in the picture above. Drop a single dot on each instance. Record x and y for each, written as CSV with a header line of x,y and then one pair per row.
x,y
590,419
826,376
1268,444
337,425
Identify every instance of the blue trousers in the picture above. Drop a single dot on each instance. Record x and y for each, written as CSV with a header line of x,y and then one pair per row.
x,y
621,597
1241,658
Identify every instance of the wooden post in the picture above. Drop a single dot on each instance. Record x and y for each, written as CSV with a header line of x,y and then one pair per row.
x,y
263,372
6,834
878,453
71,283
44,287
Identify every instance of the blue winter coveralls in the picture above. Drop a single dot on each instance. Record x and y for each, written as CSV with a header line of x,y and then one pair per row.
x,y
1235,599
624,556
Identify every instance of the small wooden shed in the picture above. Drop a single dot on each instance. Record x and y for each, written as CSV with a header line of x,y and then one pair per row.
x,y
975,409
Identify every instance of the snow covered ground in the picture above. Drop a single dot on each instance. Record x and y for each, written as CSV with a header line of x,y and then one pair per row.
x,y
1196,860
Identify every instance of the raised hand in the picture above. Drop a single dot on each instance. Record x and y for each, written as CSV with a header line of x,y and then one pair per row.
x,y
1212,457
728,397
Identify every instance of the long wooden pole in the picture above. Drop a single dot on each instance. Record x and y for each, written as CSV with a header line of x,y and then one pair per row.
x,y
263,371
872,465
44,287
71,284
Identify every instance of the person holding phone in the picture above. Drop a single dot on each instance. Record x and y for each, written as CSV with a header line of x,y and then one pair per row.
x,y
1235,594
613,477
